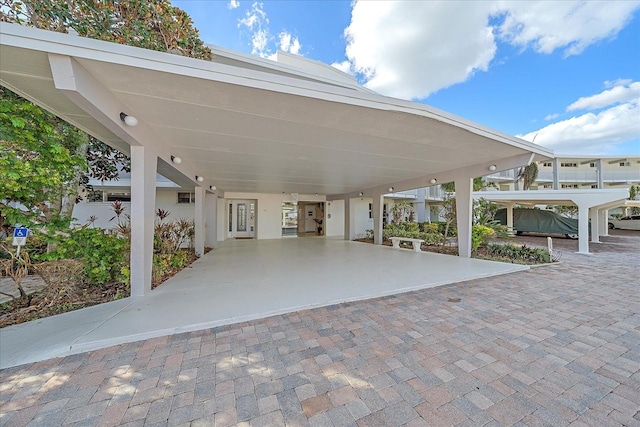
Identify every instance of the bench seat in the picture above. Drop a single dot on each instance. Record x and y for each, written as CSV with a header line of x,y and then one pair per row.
x,y
416,242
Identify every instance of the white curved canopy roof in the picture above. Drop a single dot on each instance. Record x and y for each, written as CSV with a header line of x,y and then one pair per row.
x,y
250,125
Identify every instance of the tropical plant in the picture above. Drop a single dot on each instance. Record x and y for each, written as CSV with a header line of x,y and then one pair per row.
x,y
528,174
150,24
401,212
520,254
39,163
480,235
448,212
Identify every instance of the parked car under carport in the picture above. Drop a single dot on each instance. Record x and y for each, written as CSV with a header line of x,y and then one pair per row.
x,y
539,221
631,222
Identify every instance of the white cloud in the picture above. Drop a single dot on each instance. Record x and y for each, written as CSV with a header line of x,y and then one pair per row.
x,y
412,49
256,21
289,43
262,42
621,93
233,4
552,116
596,132
344,66
568,25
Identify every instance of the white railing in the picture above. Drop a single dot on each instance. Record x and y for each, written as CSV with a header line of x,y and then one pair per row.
x,y
592,176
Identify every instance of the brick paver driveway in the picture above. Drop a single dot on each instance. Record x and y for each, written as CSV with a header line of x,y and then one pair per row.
x,y
556,345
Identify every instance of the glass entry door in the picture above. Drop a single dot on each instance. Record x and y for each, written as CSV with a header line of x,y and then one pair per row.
x,y
241,219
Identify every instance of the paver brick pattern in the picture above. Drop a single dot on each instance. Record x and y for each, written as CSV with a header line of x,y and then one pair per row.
x,y
553,346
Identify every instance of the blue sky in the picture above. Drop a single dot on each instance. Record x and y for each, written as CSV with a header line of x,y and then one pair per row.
x,y
566,73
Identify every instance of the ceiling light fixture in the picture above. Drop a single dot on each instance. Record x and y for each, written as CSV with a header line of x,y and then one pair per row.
x,y
128,120
433,180
361,194
212,187
199,178
492,168
175,159
390,189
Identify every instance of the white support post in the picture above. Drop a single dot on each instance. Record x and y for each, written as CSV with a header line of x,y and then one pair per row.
x,y
556,174
583,229
199,217
144,165
211,209
378,205
604,222
463,212
510,219
421,214
349,220
595,228
600,165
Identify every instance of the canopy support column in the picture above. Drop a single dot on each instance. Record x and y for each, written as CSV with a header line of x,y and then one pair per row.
x,y
421,214
463,213
604,222
595,227
143,202
377,209
349,219
583,229
200,213
211,209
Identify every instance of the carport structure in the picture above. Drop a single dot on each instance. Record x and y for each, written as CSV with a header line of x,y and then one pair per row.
x,y
241,124
593,205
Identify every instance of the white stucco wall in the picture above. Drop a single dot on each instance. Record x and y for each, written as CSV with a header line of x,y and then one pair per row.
x,y
165,199
268,212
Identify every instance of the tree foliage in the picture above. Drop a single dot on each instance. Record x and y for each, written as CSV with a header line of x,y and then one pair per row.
x,y
42,152
150,24
38,161
528,174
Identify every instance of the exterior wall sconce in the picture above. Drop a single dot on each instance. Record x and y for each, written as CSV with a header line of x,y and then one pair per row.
x,y
199,178
212,187
433,181
361,194
316,194
128,120
390,189
175,159
492,168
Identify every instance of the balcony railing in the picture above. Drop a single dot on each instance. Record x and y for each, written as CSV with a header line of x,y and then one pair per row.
x,y
592,176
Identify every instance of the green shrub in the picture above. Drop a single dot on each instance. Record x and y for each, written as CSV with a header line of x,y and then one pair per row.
x,y
167,264
519,254
429,227
104,256
480,235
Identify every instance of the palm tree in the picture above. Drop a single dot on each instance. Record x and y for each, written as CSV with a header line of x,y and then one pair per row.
x,y
528,174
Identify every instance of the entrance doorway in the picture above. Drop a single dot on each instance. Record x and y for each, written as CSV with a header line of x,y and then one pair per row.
x,y
311,219
241,219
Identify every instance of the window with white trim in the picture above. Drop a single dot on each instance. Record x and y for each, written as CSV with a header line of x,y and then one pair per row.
x,y
186,197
